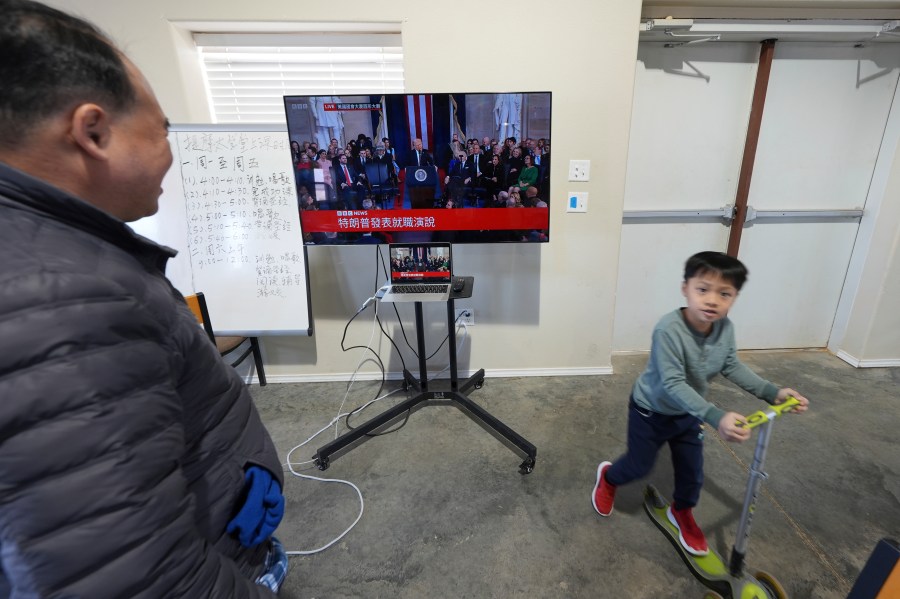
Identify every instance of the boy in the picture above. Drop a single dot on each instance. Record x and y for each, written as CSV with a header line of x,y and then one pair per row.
x,y
690,346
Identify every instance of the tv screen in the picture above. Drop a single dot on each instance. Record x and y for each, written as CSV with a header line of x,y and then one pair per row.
x,y
392,168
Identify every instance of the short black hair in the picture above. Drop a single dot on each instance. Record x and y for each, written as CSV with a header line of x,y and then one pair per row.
x,y
50,61
728,267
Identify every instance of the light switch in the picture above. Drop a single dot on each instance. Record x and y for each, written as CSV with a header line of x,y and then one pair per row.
x,y
577,201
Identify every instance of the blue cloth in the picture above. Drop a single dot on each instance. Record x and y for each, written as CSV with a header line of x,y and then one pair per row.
x,y
276,567
262,510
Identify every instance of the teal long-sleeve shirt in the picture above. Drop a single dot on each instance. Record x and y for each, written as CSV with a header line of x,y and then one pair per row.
x,y
683,361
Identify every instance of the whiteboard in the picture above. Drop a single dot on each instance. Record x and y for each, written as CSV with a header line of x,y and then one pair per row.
x,y
229,207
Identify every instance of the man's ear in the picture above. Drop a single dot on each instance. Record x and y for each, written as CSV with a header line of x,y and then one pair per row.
x,y
91,130
684,288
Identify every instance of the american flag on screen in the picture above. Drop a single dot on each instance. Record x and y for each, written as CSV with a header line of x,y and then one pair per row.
x,y
418,113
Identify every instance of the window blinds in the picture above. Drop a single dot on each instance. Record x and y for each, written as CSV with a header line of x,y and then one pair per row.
x,y
247,74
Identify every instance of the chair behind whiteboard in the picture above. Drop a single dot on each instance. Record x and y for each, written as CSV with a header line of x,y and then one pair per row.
x,y
226,345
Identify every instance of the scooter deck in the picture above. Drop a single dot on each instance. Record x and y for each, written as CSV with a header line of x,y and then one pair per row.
x,y
708,569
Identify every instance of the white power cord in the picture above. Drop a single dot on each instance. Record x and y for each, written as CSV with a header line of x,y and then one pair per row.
x,y
335,422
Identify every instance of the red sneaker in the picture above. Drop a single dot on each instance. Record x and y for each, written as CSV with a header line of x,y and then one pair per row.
x,y
689,533
604,493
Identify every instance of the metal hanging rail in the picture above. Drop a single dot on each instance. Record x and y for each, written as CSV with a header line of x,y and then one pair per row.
x,y
754,214
725,213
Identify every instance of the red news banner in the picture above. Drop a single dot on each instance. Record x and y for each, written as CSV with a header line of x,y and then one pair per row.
x,y
453,219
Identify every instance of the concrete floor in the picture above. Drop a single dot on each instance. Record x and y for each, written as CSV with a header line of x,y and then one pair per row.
x,y
447,513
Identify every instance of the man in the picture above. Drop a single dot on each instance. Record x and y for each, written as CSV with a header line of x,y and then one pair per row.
x,y
475,165
453,181
333,148
134,461
365,156
351,189
419,156
486,146
532,200
381,157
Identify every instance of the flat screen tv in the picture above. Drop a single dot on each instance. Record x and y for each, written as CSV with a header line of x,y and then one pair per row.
x,y
459,168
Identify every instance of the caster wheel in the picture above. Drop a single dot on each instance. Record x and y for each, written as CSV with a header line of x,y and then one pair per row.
x,y
322,463
527,467
772,586
479,384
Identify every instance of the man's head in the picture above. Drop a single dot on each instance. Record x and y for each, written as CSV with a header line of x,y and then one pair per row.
x,y
417,144
78,114
49,63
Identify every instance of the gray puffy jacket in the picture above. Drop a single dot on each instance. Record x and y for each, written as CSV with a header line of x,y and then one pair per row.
x,y
123,435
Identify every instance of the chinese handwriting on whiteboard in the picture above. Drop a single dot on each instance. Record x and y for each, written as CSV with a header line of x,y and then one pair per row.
x,y
242,207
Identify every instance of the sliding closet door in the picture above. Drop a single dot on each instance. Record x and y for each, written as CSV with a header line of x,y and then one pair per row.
x,y
825,115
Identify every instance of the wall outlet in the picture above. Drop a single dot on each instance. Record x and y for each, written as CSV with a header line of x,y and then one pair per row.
x,y
465,315
579,170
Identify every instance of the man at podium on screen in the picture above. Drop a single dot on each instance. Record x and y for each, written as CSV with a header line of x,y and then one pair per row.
x,y
419,156
164,481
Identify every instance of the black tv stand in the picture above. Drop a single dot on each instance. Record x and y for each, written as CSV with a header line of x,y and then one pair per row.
x,y
455,396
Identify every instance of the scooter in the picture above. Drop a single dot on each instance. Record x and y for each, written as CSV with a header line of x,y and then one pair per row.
x,y
730,582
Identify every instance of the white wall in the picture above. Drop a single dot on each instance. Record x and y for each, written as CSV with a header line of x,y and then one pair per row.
x,y
539,309
549,307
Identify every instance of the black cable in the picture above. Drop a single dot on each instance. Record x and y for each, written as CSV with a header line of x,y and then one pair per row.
x,y
393,430
366,347
379,258
377,358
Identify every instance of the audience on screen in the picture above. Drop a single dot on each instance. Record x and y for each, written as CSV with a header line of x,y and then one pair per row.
x,y
484,173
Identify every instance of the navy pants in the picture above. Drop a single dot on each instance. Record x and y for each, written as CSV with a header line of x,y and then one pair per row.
x,y
647,432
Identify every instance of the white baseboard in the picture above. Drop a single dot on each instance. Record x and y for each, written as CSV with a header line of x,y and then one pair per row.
x,y
342,377
889,363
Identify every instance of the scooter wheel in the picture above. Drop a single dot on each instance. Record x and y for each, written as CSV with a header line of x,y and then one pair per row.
x,y
712,595
772,586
